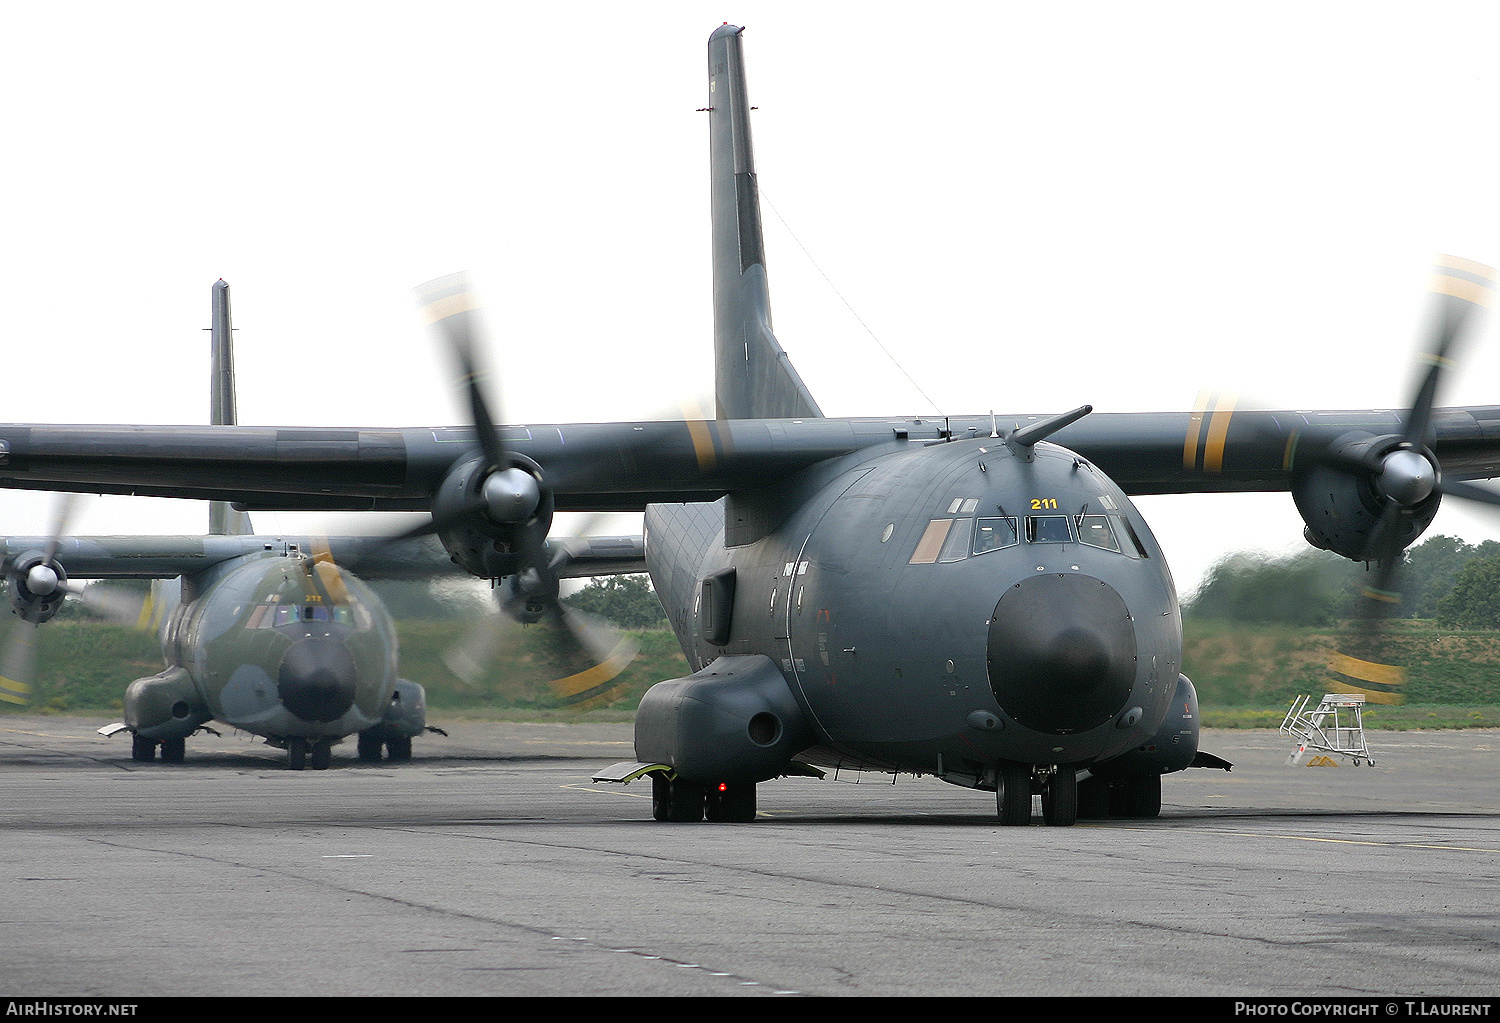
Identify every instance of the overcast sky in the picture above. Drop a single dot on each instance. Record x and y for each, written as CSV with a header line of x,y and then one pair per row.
x,y
1030,206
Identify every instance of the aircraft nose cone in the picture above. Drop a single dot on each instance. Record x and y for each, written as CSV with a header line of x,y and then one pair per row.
x,y
317,679
1061,653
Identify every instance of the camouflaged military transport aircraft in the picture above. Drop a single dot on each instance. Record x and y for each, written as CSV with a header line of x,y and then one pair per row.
x,y
974,598
276,636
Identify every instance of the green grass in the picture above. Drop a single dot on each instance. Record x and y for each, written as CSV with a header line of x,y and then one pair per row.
x,y
84,667
1246,676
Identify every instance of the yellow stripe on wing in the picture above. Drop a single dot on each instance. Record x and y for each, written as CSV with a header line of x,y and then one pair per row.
x,y
1218,433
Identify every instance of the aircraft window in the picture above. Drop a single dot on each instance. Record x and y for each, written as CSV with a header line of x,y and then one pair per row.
x,y
932,542
992,534
1049,529
1094,530
956,546
273,616
1135,548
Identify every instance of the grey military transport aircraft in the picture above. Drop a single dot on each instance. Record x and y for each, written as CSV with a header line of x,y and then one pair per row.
x,y
276,636
974,597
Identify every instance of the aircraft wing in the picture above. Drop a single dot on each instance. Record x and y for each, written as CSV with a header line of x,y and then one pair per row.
x,y
166,557
626,466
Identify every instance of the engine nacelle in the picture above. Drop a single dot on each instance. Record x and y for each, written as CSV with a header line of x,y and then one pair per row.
x,y
166,705
1341,498
37,586
489,512
1174,747
735,721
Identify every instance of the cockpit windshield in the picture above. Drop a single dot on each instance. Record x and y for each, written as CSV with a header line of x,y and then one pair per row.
x,y
1095,531
993,534
1049,529
274,616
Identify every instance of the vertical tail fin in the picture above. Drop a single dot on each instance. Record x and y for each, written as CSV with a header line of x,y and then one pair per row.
x,y
753,378
223,520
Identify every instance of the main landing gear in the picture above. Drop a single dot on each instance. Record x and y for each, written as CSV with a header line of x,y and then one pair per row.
x,y
370,743
1066,800
1015,784
173,751
304,753
675,799
1131,798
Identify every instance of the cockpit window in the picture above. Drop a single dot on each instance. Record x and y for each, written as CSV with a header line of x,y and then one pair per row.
x,y
273,616
956,545
1095,531
992,534
1049,529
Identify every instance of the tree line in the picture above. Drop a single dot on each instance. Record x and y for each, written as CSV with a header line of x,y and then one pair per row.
x,y
1443,579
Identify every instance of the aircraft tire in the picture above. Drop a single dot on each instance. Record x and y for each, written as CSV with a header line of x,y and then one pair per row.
x,y
1093,799
733,804
661,797
142,748
399,750
369,747
296,754
1138,798
1013,795
1060,798
173,750
675,800
320,756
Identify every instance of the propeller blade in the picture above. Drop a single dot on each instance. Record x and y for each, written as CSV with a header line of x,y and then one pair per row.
x,y
608,651
613,651
452,306
1368,664
18,670
1469,492
62,515
470,657
1460,286
135,608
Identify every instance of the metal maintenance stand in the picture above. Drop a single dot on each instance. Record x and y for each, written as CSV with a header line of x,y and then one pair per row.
x,y
1335,726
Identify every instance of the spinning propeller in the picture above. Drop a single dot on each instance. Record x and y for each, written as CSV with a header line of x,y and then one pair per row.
x,y
502,500
38,585
1407,482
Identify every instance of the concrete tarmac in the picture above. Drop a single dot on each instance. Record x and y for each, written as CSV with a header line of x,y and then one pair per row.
x,y
491,865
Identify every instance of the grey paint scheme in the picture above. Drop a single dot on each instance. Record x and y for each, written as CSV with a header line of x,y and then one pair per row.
x,y
753,379
627,466
303,684
162,557
222,406
1002,669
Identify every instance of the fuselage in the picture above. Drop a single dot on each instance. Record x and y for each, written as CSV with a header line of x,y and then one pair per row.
x,y
284,646
943,608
